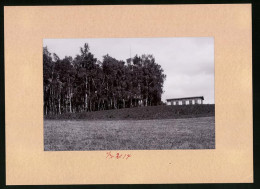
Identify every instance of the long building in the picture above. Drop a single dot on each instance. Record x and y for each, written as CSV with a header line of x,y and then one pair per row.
x,y
185,100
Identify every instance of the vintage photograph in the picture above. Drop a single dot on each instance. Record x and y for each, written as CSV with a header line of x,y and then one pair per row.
x,y
128,94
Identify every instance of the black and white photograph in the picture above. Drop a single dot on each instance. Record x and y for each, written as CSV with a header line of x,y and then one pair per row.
x,y
128,94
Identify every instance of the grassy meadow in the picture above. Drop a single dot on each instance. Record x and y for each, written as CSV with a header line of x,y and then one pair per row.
x,y
152,134
142,113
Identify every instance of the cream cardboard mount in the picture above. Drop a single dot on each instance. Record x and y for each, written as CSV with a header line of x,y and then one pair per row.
x,y
26,27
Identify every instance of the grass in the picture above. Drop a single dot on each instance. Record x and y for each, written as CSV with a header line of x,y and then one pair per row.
x,y
142,113
154,134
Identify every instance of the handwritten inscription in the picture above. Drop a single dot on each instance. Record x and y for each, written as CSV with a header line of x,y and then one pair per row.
x,y
111,155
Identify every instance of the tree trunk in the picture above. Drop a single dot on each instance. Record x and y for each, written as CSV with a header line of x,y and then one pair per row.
x,y
115,104
86,95
46,106
70,104
50,103
90,108
123,103
59,106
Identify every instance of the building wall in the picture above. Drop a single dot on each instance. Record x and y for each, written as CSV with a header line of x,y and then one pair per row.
x,y
185,102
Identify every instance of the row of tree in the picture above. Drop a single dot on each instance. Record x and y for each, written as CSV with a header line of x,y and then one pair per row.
x,y
86,84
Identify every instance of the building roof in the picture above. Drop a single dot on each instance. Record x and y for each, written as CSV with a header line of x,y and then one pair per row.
x,y
186,98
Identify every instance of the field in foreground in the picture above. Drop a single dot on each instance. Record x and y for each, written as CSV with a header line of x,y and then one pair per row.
x,y
162,134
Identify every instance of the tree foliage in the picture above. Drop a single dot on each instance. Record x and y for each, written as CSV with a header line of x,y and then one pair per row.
x,y
85,84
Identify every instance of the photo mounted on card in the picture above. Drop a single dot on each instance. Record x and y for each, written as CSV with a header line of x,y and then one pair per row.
x,y
157,94
116,94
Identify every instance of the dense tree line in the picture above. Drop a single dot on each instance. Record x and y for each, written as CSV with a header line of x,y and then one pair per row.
x,y
85,84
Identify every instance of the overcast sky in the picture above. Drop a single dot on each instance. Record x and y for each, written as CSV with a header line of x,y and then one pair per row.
x,y
188,62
